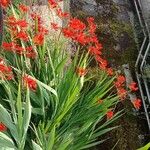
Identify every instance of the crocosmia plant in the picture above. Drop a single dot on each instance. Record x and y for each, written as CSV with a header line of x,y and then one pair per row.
x,y
51,99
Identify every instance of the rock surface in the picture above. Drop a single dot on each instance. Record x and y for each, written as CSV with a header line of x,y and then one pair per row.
x,y
116,33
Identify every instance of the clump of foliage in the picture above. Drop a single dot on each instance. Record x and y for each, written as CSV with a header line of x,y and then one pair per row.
x,y
48,103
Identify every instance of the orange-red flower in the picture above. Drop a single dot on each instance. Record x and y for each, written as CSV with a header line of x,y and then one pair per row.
x,y
137,103
19,49
110,114
61,14
13,23
77,25
2,127
120,81
4,68
22,23
68,32
133,86
5,71
92,25
42,29
30,82
35,16
110,71
23,8
81,71
8,46
22,35
81,38
30,53
122,93
121,78
38,39
54,26
103,64
52,3
94,50
4,3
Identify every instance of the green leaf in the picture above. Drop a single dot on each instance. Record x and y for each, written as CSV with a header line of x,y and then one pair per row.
x,y
51,139
6,143
37,111
7,120
5,117
67,140
146,147
47,87
60,66
9,90
103,131
92,144
26,117
19,109
36,146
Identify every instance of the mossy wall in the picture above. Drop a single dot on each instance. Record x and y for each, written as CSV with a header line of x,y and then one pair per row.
x,y
116,32
113,28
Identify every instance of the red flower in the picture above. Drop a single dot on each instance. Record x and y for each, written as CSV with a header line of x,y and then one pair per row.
x,y
92,25
8,46
9,77
18,49
81,38
133,86
122,93
81,72
121,78
5,71
23,8
93,39
31,55
22,23
62,14
52,3
4,68
54,26
4,3
2,127
98,58
23,36
120,81
30,82
103,64
110,114
90,20
11,20
94,50
38,39
35,16
68,32
110,71
29,49
42,29
76,24
137,103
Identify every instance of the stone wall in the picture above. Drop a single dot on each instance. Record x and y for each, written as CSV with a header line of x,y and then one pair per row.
x,y
41,7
